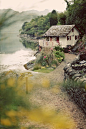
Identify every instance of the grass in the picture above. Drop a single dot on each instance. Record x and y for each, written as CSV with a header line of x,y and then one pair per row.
x,y
44,70
12,100
73,84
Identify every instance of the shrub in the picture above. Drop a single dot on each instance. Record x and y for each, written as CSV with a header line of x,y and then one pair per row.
x,y
39,58
60,56
73,84
60,60
54,62
49,58
37,66
43,63
11,99
58,48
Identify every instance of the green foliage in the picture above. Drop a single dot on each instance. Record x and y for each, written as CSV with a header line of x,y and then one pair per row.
x,y
73,84
76,15
68,3
39,59
50,58
37,27
36,67
53,18
59,54
11,99
44,63
58,48
62,18
23,27
54,63
45,70
29,44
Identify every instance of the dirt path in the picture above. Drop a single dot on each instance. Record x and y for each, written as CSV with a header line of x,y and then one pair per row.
x,y
57,99
58,74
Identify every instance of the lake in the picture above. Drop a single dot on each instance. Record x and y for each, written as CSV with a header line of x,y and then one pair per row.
x,y
13,54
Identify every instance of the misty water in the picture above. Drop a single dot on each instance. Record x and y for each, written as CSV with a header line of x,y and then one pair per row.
x,y
13,54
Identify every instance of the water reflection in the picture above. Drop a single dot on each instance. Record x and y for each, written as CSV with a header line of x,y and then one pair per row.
x,y
29,43
11,43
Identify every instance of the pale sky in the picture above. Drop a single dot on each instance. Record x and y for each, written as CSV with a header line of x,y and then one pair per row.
x,y
40,5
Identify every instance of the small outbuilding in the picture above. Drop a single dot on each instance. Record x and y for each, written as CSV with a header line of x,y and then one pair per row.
x,y
64,35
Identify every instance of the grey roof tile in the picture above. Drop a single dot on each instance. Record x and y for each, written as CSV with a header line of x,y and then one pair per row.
x,y
59,30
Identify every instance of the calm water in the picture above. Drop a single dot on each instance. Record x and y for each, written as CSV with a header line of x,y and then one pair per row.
x,y
13,55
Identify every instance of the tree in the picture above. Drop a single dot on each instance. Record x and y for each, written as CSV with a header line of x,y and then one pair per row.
x,y
36,27
53,18
62,18
23,26
76,15
68,4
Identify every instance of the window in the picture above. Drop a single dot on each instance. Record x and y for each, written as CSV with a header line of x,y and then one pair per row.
x,y
68,37
50,38
76,37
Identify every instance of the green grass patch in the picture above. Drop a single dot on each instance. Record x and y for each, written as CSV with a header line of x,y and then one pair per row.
x,y
44,70
73,84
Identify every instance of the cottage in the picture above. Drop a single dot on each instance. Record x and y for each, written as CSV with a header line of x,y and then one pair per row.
x,y
64,35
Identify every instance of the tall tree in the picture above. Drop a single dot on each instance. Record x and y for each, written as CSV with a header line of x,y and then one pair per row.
x,y
53,18
62,18
76,14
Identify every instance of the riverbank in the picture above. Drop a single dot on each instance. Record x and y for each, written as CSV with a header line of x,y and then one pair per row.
x,y
15,61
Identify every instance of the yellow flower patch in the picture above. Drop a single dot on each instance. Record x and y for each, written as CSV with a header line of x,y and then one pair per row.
x,y
11,82
6,122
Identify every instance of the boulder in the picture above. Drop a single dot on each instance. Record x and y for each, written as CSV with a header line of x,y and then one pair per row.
x,y
29,65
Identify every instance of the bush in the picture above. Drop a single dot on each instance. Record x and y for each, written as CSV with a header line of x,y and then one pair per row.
x,y
58,48
60,60
44,63
39,58
37,66
60,56
11,99
54,62
73,84
49,58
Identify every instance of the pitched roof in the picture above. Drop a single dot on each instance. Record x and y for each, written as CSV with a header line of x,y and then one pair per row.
x,y
59,30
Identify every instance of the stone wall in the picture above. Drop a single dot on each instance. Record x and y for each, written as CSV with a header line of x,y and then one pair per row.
x,y
76,71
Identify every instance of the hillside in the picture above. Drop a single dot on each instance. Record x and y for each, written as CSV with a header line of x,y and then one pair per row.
x,y
18,18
